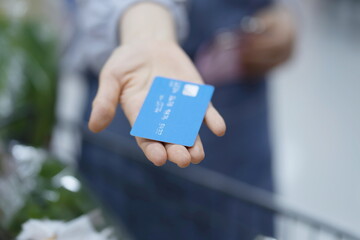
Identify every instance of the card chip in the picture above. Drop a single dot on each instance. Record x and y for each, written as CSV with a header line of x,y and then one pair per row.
x,y
190,90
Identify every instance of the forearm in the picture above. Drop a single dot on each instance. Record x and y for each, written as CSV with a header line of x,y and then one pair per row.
x,y
147,21
99,27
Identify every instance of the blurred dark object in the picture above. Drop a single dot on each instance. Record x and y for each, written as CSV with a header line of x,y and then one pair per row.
x,y
249,51
262,53
28,72
219,61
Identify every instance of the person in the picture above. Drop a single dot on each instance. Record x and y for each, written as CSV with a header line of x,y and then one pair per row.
x,y
150,202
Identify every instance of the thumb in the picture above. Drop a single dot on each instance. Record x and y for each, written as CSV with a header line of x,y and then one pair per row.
x,y
105,102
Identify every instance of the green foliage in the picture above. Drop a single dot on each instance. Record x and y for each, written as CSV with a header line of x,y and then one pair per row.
x,y
62,205
28,72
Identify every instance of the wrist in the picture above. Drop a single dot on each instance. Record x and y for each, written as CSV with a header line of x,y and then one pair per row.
x,y
153,49
147,22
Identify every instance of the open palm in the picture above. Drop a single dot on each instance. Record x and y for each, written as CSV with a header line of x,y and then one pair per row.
x,y
126,79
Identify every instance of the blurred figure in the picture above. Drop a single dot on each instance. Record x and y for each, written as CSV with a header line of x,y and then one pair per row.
x,y
234,44
253,48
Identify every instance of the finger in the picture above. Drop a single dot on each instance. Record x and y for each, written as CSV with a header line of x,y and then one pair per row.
x,y
214,121
266,53
105,102
265,59
153,150
255,70
278,39
267,18
261,44
178,154
197,151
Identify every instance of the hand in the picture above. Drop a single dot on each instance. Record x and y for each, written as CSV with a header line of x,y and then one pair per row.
x,y
262,52
126,79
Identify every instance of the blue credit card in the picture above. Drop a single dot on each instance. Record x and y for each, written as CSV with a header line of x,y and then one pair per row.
x,y
173,111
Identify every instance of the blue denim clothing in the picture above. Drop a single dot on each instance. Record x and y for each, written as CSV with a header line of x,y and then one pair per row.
x,y
154,204
206,17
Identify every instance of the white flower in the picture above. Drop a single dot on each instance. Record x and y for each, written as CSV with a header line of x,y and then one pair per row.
x,y
78,229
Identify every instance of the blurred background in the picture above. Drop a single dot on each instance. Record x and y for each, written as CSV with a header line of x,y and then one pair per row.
x,y
315,120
